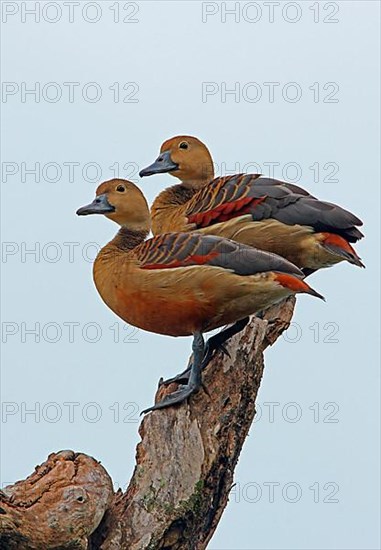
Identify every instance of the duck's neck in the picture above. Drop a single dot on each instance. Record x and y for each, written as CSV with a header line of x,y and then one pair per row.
x,y
127,239
167,207
198,183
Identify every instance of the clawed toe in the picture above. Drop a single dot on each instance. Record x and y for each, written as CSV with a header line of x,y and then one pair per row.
x,y
217,342
211,350
182,378
205,388
224,350
175,398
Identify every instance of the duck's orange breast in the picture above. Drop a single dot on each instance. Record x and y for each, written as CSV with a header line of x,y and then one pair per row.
x,y
147,290
163,313
175,302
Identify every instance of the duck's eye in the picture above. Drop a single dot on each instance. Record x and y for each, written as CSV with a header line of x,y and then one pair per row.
x,y
183,145
121,189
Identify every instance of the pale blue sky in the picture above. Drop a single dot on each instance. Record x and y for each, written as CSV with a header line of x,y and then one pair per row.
x,y
331,371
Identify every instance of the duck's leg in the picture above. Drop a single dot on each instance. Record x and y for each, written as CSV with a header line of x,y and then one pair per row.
x,y
194,381
215,343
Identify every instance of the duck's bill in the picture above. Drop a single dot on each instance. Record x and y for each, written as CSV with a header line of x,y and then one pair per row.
x,y
100,205
162,164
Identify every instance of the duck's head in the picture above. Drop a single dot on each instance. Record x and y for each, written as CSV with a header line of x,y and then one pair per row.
x,y
121,201
186,158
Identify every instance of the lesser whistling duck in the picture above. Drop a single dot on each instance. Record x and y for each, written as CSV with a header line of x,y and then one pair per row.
x,y
182,284
262,212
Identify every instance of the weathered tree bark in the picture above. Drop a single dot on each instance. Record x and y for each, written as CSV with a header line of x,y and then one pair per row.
x,y
58,506
184,467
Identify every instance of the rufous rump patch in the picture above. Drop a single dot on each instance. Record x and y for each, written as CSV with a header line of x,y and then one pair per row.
x,y
339,242
291,282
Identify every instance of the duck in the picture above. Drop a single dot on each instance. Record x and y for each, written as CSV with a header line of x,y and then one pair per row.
x,y
266,213
183,283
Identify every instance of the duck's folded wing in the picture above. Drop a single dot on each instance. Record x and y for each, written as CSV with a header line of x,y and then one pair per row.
x,y
179,250
264,198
